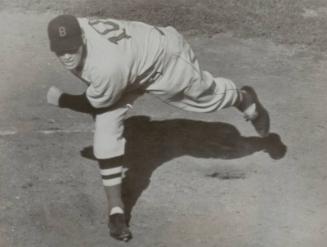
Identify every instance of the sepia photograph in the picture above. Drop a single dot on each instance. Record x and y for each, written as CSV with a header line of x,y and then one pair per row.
x,y
176,123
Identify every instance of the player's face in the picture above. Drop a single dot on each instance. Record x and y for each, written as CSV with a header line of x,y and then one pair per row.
x,y
71,59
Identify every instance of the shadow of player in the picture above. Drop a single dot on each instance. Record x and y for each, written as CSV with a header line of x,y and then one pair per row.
x,y
151,143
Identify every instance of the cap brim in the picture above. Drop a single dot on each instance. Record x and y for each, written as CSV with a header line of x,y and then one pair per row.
x,y
66,44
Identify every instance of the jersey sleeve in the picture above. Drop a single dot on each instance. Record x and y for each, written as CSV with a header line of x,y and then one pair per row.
x,y
105,89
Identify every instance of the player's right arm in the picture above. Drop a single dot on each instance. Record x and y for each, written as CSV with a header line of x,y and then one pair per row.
x,y
103,92
77,103
107,86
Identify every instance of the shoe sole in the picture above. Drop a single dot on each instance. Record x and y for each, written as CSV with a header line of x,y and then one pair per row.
x,y
126,236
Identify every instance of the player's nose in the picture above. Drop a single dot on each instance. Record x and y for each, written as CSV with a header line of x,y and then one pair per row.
x,y
67,56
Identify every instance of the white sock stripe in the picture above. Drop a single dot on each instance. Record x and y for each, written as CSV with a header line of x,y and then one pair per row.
x,y
125,169
112,182
111,171
116,210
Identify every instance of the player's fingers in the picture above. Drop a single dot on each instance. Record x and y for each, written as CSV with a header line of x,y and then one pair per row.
x,y
53,95
54,91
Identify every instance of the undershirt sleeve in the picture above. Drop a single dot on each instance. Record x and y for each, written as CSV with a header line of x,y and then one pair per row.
x,y
77,103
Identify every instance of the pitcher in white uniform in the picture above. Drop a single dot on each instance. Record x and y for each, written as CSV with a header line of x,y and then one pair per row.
x,y
115,58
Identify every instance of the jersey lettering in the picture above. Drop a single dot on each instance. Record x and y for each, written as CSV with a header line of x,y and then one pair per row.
x,y
107,28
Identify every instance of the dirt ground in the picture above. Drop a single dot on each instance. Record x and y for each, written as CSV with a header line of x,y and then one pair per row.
x,y
194,180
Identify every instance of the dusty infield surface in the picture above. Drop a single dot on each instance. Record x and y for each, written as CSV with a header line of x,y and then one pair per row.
x,y
193,180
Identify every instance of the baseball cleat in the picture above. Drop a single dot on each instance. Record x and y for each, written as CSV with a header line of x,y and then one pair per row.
x,y
254,111
118,227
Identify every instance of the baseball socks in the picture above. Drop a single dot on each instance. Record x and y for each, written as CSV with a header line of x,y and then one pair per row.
x,y
112,174
249,104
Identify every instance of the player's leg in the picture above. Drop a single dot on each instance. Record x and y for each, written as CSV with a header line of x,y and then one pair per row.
x,y
224,94
205,93
112,175
109,148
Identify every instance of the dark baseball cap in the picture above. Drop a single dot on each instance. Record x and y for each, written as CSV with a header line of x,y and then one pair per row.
x,y
65,33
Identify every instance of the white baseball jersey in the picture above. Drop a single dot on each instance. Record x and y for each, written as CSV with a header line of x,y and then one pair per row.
x,y
123,56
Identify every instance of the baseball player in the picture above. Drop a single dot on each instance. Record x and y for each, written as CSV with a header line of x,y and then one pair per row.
x,y
117,58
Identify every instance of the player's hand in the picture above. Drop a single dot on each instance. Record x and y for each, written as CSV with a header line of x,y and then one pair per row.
x,y
53,96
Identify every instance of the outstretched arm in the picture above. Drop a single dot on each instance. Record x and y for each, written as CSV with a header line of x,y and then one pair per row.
x,y
77,103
